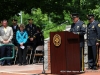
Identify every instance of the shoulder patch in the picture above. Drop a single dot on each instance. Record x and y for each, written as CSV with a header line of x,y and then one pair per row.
x,y
77,27
84,25
98,25
93,26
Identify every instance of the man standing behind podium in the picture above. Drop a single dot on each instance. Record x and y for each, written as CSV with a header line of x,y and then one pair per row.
x,y
78,27
6,35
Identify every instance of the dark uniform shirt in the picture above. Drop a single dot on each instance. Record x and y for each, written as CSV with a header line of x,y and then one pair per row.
x,y
15,28
31,30
79,28
40,39
93,33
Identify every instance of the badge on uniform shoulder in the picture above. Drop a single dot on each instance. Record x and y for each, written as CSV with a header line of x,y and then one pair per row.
x,y
84,25
98,25
77,27
33,27
28,29
93,26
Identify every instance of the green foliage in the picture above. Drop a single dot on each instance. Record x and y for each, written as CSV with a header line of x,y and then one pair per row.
x,y
11,7
67,17
48,13
96,12
40,19
54,29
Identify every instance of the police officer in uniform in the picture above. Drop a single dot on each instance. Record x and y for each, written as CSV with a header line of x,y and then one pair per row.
x,y
40,37
39,42
15,28
31,30
93,37
78,27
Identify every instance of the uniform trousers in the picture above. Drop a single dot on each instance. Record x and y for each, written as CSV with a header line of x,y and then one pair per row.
x,y
33,45
81,58
92,56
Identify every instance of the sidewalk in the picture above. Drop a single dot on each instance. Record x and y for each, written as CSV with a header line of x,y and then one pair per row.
x,y
34,70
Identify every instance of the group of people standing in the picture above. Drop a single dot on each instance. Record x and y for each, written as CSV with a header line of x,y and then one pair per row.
x,y
21,36
92,29
31,35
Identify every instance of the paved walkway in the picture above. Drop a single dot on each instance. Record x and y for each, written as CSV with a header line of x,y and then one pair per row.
x,y
35,69
21,70
91,72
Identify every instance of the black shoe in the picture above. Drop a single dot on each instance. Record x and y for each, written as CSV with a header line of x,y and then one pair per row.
x,y
89,68
95,68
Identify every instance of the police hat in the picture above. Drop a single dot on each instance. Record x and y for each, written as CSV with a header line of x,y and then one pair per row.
x,y
14,20
90,16
74,15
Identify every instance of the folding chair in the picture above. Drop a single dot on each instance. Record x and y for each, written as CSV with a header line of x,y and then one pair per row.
x,y
29,54
16,53
38,53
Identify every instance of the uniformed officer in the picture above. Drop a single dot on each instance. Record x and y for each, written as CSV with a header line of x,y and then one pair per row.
x,y
15,28
78,27
93,37
40,37
31,30
39,42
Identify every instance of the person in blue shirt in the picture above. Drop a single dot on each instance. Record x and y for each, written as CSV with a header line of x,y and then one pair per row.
x,y
21,37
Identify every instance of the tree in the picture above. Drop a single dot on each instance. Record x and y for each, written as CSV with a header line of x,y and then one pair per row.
x,y
11,7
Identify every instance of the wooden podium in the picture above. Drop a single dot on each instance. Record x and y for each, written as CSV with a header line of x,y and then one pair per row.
x,y
64,53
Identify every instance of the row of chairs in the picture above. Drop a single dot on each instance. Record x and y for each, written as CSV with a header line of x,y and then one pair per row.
x,y
38,53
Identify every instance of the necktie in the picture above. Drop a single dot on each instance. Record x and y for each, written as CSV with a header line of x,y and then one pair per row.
x,y
5,30
30,25
14,27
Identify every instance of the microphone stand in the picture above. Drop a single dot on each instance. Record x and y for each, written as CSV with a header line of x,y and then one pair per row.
x,y
43,72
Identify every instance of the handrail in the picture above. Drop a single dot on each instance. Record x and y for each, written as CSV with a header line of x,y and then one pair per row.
x,y
13,52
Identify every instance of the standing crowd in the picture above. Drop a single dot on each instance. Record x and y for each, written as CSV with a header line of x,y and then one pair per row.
x,y
31,35
21,36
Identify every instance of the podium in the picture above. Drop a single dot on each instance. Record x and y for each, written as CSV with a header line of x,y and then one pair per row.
x,y
64,53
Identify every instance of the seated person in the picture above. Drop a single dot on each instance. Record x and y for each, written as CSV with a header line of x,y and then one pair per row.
x,y
6,35
21,37
39,42
15,28
39,37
